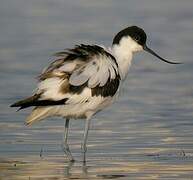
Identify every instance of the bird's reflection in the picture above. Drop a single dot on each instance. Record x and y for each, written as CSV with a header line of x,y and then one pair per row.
x,y
68,168
82,167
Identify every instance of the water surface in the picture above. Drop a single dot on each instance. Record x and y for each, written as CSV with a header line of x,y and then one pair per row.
x,y
147,134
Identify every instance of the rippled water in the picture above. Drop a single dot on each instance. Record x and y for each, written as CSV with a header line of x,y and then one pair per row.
x,y
147,134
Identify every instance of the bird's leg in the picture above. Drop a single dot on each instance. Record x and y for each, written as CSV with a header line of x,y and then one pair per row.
x,y
83,146
65,144
67,169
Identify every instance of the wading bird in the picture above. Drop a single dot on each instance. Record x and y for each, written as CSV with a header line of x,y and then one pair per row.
x,y
84,80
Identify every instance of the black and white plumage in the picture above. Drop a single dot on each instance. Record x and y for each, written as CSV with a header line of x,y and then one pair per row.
x,y
84,80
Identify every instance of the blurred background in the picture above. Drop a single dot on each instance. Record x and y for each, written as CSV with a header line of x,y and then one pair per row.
x,y
146,134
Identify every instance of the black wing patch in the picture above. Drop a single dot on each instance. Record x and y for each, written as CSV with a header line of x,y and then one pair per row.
x,y
84,53
33,101
109,89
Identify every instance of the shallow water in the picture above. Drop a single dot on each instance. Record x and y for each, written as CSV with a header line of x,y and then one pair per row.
x,y
146,134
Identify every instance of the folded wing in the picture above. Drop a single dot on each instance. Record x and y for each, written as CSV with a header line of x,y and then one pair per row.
x,y
84,66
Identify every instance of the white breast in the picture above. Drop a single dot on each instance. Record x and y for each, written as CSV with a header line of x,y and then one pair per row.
x,y
123,53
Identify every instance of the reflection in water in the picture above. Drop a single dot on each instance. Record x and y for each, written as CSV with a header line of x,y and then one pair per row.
x,y
49,168
111,176
56,168
67,169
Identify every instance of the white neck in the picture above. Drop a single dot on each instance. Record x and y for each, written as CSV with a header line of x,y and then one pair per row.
x,y
123,53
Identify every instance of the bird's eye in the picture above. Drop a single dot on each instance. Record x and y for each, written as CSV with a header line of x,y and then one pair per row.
x,y
136,38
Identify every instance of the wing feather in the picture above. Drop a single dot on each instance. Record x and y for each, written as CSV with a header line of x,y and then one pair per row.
x,y
84,66
98,71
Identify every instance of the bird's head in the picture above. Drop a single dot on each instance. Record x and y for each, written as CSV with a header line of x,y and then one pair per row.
x,y
134,38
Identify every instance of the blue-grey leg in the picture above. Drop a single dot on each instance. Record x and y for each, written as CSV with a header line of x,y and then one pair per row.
x,y
67,169
65,144
85,136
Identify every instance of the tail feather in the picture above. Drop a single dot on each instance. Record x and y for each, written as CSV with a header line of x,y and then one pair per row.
x,y
34,101
26,102
37,114
43,109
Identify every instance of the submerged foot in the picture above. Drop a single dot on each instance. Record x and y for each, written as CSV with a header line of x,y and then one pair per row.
x,y
66,150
